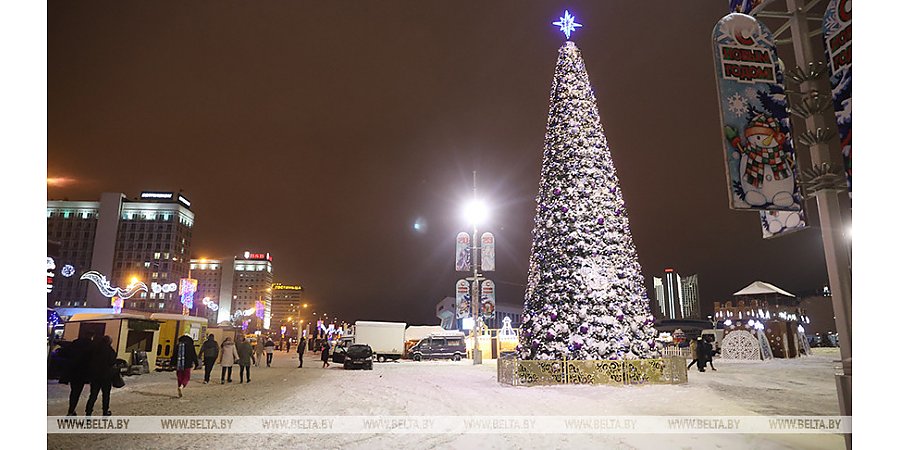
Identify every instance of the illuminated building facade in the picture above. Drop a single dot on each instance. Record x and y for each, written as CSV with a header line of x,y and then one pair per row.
x,y
677,297
286,306
146,238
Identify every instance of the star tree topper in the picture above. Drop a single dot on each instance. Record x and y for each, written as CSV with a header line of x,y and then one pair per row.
x,y
567,24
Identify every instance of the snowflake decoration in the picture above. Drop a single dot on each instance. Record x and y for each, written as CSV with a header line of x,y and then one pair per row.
x,y
737,105
750,92
68,270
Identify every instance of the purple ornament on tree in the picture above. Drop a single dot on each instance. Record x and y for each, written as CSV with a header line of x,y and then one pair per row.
x,y
557,191
600,221
552,316
535,344
549,335
565,209
583,329
543,207
620,317
577,345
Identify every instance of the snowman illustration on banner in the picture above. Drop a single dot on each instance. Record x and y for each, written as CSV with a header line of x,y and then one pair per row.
x,y
766,169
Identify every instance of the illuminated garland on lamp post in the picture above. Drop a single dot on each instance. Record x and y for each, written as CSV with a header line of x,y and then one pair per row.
x,y
116,295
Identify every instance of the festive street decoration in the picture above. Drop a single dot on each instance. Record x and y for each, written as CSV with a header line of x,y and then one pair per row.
x,y
836,29
116,303
110,291
188,288
488,299
585,297
51,266
260,309
780,223
210,304
488,253
518,372
740,344
463,250
163,288
743,6
760,163
567,24
463,300
67,270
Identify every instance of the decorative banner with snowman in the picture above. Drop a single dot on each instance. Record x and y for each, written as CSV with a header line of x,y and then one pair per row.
x,y
780,223
759,156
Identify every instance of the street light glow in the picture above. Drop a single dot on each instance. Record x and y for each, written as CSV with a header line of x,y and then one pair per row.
x,y
475,212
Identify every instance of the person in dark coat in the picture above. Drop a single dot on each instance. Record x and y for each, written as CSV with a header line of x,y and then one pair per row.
x,y
183,359
702,354
101,370
325,348
301,346
209,351
245,357
77,356
710,351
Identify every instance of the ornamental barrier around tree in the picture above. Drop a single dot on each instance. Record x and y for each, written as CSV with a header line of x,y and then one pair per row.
x,y
519,372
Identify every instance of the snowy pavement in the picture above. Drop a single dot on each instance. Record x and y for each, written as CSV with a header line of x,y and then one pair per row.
x,y
443,388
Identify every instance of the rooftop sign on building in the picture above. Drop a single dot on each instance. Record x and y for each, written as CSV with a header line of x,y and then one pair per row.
x,y
263,256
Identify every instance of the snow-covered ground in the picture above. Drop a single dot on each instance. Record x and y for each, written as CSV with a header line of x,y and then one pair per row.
x,y
443,388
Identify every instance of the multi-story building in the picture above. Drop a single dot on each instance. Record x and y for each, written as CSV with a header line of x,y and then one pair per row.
x,y
147,239
677,297
208,273
286,304
252,289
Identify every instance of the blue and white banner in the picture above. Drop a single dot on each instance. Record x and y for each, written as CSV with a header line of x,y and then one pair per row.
x,y
756,133
488,253
463,250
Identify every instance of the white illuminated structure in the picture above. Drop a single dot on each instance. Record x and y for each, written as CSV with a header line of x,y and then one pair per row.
x,y
110,291
567,24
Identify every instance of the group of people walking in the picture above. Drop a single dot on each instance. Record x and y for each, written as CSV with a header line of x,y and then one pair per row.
x,y
702,352
89,361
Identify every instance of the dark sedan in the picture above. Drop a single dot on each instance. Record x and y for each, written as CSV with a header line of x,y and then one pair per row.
x,y
358,356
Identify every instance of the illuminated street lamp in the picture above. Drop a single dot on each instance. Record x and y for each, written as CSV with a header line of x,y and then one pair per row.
x,y
475,213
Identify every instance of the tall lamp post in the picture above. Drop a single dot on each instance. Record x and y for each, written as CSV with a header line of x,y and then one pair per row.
x,y
475,213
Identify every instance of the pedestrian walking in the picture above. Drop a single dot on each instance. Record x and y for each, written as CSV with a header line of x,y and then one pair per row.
x,y
710,351
183,359
301,346
693,355
288,348
245,357
270,351
325,349
77,356
259,350
227,356
702,354
209,352
101,370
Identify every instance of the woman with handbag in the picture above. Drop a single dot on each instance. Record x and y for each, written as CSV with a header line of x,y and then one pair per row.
x,y
101,372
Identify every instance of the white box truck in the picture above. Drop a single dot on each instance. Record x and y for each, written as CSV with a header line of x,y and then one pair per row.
x,y
387,339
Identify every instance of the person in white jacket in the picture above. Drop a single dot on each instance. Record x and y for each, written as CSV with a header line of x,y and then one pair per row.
x,y
227,357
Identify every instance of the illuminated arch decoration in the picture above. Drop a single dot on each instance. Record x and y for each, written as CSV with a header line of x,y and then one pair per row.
x,y
110,291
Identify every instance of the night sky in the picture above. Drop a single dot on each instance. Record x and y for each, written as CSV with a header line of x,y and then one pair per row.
x,y
322,132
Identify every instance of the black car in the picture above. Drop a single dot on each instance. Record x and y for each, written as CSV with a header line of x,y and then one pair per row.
x,y
358,356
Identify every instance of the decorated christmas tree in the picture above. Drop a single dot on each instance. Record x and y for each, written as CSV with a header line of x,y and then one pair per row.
x,y
585,297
